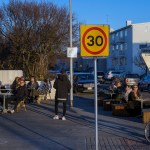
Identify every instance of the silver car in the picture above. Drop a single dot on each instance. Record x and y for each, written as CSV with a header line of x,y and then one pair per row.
x,y
131,79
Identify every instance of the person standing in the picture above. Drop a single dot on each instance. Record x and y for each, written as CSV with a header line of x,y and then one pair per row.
x,y
62,86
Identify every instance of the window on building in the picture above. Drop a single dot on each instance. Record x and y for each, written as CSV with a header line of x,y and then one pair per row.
x,y
117,46
121,34
116,61
125,46
112,37
113,47
125,33
117,34
113,62
121,47
123,61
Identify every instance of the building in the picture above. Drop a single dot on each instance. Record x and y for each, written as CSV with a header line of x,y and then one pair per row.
x,y
125,46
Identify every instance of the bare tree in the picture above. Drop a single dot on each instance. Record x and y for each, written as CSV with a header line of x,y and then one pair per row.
x,y
37,33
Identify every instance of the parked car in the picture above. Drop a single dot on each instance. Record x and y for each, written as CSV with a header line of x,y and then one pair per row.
x,y
110,74
83,82
131,79
100,76
144,83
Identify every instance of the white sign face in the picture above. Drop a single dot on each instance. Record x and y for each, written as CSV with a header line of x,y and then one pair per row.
x,y
72,52
146,58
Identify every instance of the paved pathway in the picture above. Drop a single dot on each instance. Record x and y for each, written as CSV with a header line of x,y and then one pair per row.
x,y
36,130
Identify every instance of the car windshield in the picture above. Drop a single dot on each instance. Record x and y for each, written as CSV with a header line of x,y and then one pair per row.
x,y
147,77
100,73
132,76
85,77
116,72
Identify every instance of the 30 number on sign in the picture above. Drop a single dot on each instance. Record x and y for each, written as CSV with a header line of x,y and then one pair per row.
x,y
95,40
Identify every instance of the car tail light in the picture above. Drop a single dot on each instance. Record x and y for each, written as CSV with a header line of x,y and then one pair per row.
x,y
126,80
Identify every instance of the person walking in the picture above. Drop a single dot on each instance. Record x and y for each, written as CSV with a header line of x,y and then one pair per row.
x,y
62,86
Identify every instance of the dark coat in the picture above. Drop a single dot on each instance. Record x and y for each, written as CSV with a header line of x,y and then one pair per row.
x,y
132,102
62,86
21,93
34,85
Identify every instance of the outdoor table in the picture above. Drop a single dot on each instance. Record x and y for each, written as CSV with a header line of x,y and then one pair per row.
x,y
142,101
4,100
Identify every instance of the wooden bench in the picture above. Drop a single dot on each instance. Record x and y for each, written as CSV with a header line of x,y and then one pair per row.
x,y
107,104
120,110
146,115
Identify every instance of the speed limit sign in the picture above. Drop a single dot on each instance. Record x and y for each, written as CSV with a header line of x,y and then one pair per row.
x,y
94,40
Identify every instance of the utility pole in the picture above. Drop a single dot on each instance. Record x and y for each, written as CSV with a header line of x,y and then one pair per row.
x,y
71,59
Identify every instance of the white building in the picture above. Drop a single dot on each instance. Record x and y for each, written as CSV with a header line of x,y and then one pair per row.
x,y
126,44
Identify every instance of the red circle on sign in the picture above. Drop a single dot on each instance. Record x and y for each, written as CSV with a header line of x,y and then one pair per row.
x,y
105,44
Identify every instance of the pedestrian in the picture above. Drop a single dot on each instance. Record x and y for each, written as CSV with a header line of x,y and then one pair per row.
x,y
32,89
62,86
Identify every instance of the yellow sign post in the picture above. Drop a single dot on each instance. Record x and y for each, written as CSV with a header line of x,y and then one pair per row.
x,y
94,40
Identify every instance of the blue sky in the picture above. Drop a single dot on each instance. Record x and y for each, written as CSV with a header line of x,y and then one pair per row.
x,y
112,12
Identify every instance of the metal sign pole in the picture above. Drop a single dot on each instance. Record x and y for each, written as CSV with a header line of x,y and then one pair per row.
x,y
71,59
96,109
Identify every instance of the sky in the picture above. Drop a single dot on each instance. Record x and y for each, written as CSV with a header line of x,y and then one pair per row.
x,y
112,12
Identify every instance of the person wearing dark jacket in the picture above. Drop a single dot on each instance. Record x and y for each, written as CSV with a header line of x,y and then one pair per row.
x,y
20,94
32,87
62,86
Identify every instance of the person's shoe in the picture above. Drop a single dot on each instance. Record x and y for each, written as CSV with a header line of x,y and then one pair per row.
x,y
12,111
56,117
63,118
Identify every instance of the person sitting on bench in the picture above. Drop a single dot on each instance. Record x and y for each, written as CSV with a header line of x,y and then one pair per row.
x,y
20,94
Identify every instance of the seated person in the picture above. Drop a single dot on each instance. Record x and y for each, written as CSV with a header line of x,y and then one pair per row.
x,y
45,88
117,89
32,87
2,91
15,84
128,89
133,104
20,94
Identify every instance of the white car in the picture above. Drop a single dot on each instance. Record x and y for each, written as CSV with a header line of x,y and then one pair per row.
x,y
110,74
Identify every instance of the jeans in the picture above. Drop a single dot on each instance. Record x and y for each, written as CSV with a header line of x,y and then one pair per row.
x,y
64,107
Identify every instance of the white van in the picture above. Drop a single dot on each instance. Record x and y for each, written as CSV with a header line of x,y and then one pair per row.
x,y
8,76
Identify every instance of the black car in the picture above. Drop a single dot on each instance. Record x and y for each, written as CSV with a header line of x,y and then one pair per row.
x,y
144,83
83,82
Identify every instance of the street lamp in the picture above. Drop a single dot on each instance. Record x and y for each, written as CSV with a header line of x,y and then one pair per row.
x,y
71,59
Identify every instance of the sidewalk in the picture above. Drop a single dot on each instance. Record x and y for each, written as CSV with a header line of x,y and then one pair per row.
x,y
36,130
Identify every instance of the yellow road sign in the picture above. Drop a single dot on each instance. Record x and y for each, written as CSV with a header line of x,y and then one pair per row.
x,y
94,40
